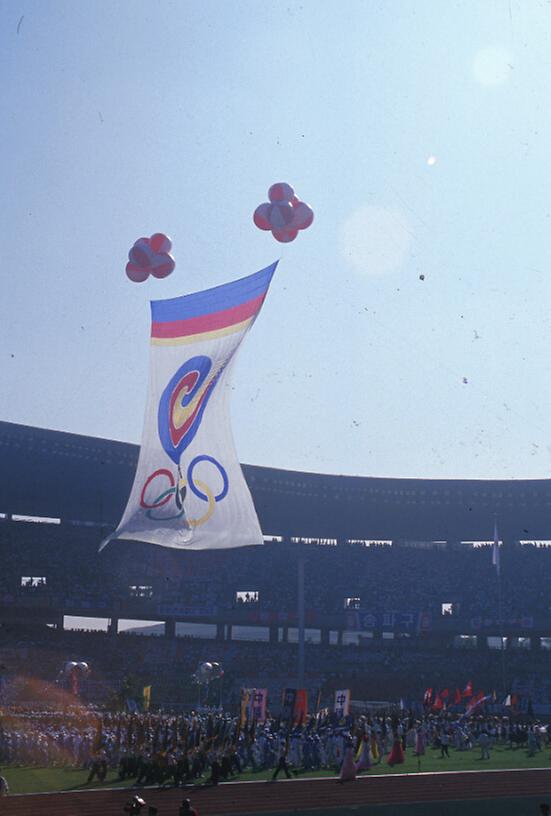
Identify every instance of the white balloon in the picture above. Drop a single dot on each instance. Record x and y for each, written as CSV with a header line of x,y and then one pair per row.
x,y
204,672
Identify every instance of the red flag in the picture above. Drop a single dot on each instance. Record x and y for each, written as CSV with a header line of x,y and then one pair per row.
x,y
444,694
438,705
301,706
468,690
457,697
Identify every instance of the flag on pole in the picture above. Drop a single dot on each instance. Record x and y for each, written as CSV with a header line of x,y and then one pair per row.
x,y
495,550
318,701
342,703
478,700
245,707
259,701
288,704
146,697
301,706
189,491
468,690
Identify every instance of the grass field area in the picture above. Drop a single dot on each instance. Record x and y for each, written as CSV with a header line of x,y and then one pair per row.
x,y
35,780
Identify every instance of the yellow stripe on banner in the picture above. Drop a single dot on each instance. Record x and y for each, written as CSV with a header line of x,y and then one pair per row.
x,y
196,338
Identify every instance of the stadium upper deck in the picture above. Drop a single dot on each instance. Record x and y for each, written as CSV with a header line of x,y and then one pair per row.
x,y
71,477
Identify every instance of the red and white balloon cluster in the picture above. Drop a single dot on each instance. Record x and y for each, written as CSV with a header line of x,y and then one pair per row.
x,y
150,256
284,214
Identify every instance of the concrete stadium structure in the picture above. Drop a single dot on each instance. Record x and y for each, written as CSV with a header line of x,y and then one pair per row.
x,y
84,482
71,477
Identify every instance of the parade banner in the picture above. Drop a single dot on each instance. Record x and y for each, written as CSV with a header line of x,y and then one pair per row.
x,y
301,705
245,707
342,703
288,704
258,704
146,698
189,491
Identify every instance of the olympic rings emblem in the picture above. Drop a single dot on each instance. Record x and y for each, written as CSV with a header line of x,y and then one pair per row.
x,y
177,488
164,497
204,458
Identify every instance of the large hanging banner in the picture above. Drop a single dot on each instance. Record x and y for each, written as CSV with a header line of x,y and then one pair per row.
x,y
189,491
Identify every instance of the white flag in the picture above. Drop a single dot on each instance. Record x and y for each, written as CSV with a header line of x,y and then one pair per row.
x,y
189,491
342,703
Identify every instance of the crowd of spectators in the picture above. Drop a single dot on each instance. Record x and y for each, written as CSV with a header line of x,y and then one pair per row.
x,y
382,670
66,567
59,565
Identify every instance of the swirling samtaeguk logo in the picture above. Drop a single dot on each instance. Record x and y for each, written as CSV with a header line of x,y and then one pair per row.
x,y
183,404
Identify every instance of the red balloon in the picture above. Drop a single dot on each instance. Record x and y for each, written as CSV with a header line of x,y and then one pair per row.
x,y
140,255
280,192
163,265
260,217
280,215
303,215
160,242
136,274
285,236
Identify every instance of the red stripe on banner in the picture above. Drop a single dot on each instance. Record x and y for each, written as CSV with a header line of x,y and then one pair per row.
x,y
208,322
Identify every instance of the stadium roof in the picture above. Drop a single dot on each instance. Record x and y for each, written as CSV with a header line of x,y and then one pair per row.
x,y
80,478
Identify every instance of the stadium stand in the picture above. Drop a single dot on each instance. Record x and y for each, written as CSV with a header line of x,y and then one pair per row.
x,y
393,587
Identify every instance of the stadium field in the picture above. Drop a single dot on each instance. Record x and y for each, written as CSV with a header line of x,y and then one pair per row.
x,y
36,780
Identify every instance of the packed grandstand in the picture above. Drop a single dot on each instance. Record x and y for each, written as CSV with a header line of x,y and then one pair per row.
x,y
385,618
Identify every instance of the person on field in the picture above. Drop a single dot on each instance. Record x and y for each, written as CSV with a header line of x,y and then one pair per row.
x,y
282,766
186,809
444,744
348,767
484,742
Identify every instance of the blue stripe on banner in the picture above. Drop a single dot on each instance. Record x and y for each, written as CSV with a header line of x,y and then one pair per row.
x,y
213,300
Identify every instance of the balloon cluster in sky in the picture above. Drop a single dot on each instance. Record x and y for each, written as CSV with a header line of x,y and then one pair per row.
x,y
284,214
150,256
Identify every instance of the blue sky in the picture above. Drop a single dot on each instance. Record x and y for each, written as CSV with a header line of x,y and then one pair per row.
x,y
419,133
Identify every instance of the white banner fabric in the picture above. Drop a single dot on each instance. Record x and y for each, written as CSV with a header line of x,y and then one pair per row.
x,y
189,491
